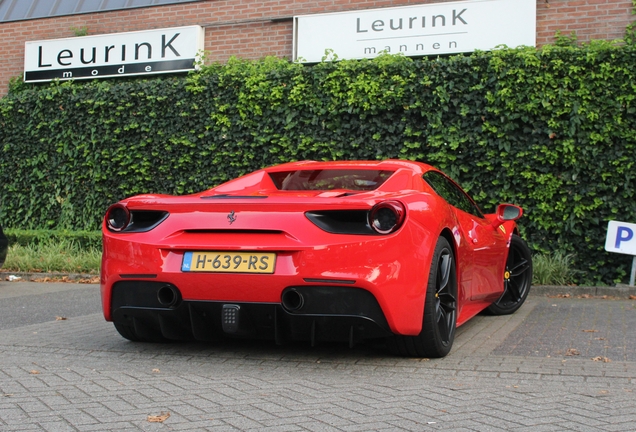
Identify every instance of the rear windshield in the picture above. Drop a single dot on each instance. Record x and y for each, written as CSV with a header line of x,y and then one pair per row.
x,y
330,179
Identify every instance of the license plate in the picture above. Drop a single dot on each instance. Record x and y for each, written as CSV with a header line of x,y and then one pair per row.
x,y
229,262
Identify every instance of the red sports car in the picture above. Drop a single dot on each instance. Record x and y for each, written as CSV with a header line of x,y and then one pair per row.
x,y
316,251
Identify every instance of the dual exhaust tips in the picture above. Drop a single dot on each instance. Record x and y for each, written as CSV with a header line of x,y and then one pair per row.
x,y
292,300
170,297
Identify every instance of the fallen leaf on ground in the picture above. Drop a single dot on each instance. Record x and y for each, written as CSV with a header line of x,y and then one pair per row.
x,y
590,331
46,279
159,418
601,358
52,279
34,372
67,279
572,352
60,318
632,297
156,370
93,280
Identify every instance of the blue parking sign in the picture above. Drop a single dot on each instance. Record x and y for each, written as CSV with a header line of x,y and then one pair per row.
x,y
621,238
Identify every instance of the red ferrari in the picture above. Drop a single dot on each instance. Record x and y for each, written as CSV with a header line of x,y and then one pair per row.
x,y
315,251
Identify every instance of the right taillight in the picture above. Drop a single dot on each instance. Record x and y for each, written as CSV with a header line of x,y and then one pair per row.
x,y
387,217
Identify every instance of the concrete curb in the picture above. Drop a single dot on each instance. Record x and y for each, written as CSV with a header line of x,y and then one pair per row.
x,y
619,291
49,277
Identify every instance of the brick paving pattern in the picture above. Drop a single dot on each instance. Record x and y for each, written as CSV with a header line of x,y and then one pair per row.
x,y
585,327
533,371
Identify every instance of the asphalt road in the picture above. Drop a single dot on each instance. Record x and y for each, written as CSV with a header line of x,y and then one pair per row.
x,y
27,303
557,364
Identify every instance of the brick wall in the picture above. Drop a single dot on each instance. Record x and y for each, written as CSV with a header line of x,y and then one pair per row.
x,y
244,27
589,19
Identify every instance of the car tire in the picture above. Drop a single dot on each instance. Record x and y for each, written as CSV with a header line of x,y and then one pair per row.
x,y
517,278
128,332
440,310
4,247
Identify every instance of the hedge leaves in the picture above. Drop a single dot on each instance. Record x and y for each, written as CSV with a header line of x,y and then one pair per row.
x,y
553,130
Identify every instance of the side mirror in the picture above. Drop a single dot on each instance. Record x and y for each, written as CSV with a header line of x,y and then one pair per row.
x,y
507,212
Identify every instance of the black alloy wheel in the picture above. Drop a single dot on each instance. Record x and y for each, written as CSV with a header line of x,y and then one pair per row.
x,y
440,310
445,298
517,278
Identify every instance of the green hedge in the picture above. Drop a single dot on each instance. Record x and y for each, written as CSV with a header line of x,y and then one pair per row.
x,y
84,239
553,130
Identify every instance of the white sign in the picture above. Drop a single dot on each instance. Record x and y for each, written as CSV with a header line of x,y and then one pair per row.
x,y
621,238
119,54
430,29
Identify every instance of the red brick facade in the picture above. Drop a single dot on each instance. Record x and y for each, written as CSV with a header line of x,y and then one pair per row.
x,y
257,28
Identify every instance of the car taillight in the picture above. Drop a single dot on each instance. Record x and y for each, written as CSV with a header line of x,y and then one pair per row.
x,y
117,217
387,217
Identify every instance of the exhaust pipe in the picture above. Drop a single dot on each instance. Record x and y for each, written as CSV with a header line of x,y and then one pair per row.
x,y
292,300
168,296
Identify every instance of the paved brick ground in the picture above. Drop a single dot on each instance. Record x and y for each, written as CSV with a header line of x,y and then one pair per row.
x,y
589,328
530,371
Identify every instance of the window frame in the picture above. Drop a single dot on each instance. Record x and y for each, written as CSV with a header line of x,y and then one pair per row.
x,y
468,206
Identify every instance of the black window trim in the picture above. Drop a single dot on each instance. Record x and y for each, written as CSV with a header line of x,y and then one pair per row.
x,y
477,213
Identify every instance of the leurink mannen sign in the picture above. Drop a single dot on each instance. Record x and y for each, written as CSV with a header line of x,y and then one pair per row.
x,y
416,30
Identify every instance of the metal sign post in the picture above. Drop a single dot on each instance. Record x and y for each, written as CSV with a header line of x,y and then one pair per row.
x,y
621,238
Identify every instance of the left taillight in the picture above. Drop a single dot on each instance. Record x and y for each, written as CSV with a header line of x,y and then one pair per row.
x,y
117,217
120,219
387,217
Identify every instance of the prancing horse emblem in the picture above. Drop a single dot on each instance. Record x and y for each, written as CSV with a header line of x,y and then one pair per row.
x,y
231,217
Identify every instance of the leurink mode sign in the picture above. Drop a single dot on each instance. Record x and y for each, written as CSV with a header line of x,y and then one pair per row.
x,y
110,55
416,30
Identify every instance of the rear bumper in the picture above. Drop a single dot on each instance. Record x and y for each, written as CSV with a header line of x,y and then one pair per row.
x,y
393,269
325,313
